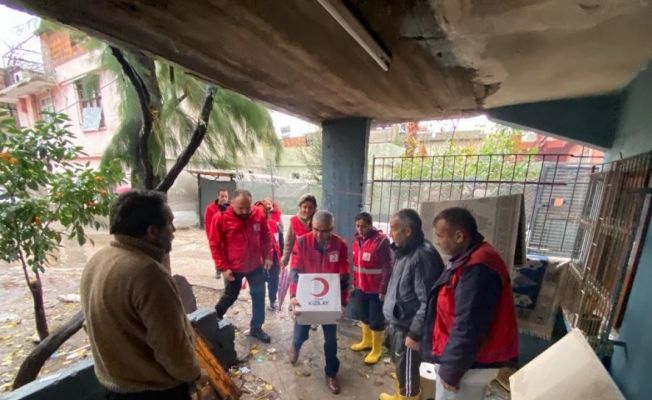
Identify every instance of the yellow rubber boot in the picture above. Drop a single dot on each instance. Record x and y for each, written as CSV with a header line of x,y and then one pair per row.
x,y
387,396
417,397
376,347
365,344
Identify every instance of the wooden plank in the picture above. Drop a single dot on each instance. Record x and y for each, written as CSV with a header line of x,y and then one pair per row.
x,y
217,375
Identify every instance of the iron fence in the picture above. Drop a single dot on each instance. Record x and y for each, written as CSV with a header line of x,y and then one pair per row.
x,y
554,187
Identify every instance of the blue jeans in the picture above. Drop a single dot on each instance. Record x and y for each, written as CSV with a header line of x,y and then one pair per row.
x,y
301,333
272,281
256,281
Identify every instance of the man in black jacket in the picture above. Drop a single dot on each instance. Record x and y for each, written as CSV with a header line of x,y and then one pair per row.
x,y
417,265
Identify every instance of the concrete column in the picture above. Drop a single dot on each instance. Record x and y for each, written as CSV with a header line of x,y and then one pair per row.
x,y
344,170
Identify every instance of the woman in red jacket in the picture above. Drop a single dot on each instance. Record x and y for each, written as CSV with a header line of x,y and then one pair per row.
x,y
300,224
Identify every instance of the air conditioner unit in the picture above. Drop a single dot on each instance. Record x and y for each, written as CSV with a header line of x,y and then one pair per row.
x,y
20,76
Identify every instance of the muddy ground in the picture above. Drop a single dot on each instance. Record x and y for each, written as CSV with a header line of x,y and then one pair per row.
x,y
264,372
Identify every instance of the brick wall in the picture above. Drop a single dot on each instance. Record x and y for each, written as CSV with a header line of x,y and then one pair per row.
x,y
297,141
57,48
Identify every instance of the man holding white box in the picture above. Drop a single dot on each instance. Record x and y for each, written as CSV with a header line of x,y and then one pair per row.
x,y
324,253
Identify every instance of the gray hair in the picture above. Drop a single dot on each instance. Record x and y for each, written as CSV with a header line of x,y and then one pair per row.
x,y
410,219
323,216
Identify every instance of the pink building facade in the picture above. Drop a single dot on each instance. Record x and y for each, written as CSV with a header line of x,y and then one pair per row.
x,y
71,82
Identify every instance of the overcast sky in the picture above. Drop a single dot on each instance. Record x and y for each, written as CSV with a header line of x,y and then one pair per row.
x,y
16,27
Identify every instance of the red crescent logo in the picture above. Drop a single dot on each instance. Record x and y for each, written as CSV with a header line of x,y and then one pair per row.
x,y
325,287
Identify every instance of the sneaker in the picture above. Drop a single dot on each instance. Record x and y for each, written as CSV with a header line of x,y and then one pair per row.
x,y
272,306
218,274
260,334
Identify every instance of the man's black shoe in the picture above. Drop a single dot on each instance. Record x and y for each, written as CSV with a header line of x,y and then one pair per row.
x,y
260,335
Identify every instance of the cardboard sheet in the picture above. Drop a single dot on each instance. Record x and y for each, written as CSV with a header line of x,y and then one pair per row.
x,y
501,220
567,370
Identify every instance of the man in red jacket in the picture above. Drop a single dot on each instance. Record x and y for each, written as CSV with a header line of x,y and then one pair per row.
x,y
241,248
320,251
470,316
219,205
372,267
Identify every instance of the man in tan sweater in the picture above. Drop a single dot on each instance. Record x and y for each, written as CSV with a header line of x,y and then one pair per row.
x,y
141,340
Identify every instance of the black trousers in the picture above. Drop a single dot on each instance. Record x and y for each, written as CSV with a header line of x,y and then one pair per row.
x,y
181,392
256,281
370,309
406,361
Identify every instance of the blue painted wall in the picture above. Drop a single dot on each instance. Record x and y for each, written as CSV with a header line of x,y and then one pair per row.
x,y
634,133
631,367
589,120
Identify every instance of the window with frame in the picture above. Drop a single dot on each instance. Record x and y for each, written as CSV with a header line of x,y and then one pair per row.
x,y
46,106
90,102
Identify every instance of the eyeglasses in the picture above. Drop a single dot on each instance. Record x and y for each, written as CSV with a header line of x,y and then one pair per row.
x,y
329,230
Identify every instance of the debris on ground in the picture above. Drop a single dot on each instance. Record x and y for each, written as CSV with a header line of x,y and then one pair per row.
x,y
69,298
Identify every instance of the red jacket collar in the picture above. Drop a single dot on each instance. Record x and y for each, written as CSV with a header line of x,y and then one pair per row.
x,y
255,212
371,235
332,242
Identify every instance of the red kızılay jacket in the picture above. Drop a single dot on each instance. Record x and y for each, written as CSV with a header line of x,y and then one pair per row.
x,y
307,258
272,224
241,245
209,213
372,262
471,315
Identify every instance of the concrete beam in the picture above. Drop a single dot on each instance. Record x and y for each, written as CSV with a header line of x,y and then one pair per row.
x,y
344,170
592,120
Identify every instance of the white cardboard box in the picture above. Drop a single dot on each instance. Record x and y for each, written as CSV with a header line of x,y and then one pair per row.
x,y
319,299
428,381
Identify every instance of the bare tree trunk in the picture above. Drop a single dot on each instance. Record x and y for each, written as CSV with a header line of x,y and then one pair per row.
x,y
148,120
39,309
37,296
32,365
195,141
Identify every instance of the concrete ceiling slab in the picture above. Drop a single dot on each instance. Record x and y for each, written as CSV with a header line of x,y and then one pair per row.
x,y
449,57
538,50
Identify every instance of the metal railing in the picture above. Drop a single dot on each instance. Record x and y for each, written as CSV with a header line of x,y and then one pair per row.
x,y
554,187
608,245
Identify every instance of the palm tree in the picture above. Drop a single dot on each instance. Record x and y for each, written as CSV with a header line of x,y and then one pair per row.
x,y
236,125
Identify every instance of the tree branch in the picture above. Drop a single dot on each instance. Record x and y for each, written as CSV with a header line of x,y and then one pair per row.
x,y
193,145
32,365
146,129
